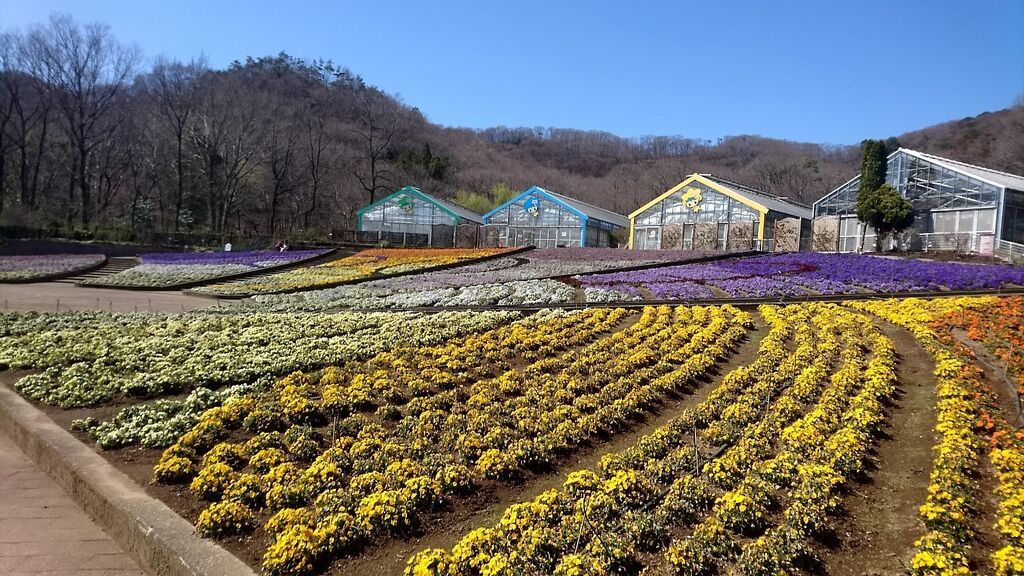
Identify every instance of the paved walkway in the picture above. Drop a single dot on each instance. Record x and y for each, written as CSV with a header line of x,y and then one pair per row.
x,y
44,533
54,296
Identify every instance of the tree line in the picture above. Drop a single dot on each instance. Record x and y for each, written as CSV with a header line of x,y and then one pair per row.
x,y
93,137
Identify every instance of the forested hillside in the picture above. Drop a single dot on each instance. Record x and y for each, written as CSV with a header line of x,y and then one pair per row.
x,y
92,139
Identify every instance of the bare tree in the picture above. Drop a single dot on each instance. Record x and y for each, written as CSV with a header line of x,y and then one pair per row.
x,y
282,152
141,154
375,128
226,139
83,71
175,87
316,149
24,122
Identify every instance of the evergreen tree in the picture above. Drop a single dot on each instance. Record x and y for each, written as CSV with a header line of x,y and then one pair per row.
x,y
873,168
887,212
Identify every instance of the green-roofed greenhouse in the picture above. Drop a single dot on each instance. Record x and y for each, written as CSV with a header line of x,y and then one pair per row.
x,y
410,217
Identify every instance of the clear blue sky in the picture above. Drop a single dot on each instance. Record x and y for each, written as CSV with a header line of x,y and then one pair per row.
x,y
819,71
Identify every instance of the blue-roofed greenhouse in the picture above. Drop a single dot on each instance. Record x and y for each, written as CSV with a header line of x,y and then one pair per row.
x,y
541,218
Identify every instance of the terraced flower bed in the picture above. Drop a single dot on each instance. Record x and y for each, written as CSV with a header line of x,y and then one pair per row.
x,y
523,279
332,461
798,274
192,362
970,428
675,440
27,268
163,270
362,265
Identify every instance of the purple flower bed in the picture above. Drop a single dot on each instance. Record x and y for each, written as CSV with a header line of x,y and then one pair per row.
x,y
759,287
687,272
257,259
28,267
173,269
679,291
614,254
823,285
788,275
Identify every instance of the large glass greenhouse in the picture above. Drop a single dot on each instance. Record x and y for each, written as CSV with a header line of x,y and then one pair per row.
x,y
541,218
957,207
409,217
704,212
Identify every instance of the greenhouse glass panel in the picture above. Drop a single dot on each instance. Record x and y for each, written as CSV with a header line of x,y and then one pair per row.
x,y
696,203
651,216
928,186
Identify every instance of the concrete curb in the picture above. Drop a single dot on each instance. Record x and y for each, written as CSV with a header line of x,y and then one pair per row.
x,y
151,533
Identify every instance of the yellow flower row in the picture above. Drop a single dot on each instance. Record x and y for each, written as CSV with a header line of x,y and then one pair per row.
x,y
944,549
796,458
555,533
464,411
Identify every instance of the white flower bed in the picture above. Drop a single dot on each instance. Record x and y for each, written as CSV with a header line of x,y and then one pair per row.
x,y
152,355
364,296
609,295
155,275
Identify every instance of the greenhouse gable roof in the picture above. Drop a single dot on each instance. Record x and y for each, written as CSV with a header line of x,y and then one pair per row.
x,y
756,199
993,177
453,209
1002,179
581,208
769,201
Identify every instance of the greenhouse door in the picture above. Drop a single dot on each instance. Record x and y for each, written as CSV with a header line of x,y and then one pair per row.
x,y
650,238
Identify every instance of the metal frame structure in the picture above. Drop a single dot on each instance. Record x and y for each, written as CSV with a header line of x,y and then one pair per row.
x,y
412,218
707,212
541,218
957,206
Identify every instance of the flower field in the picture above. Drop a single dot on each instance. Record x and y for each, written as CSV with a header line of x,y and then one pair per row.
x,y
539,278
799,274
89,359
171,269
969,429
523,279
377,445
29,267
659,440
691,506
364,264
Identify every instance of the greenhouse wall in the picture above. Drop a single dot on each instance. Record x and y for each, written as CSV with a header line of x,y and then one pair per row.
x,y
702,214
954,209
411,218
535,219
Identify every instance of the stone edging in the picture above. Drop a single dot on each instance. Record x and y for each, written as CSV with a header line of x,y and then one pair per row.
x,y
150,532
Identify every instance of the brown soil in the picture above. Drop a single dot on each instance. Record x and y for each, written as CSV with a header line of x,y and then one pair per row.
x,y
987,540
485,509
995,376
877,532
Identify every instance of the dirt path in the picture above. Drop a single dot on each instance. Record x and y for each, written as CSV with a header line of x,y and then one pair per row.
x,y
447,529
986,539
58,296
876,536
